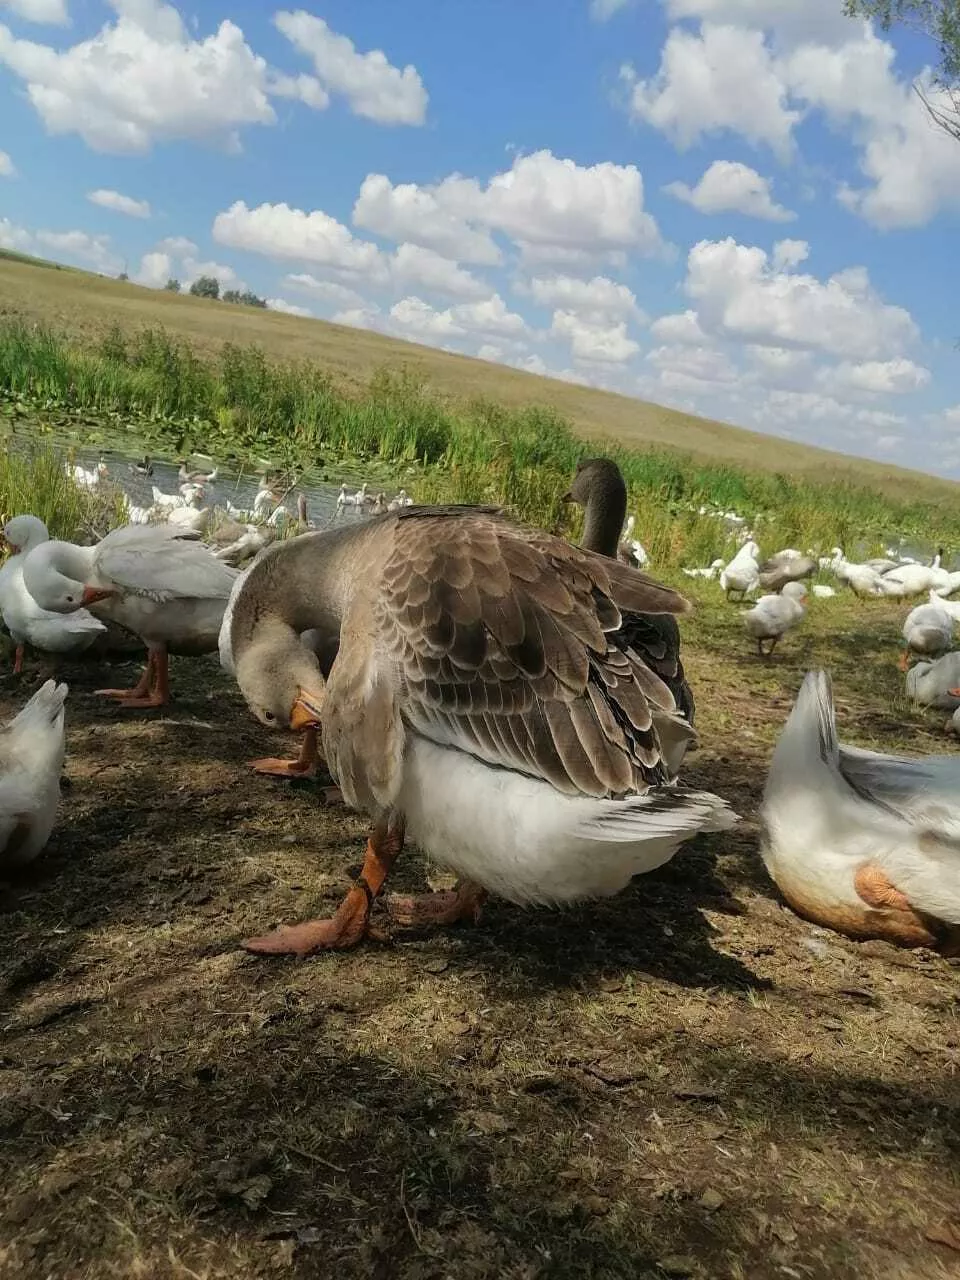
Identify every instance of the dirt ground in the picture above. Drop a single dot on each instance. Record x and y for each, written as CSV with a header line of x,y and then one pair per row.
x,y
686,1080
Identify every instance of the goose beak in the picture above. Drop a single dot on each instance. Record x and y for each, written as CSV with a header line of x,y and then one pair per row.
x,y
305,712
92,595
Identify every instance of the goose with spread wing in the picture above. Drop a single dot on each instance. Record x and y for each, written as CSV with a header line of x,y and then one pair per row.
x,y
158,581
480,701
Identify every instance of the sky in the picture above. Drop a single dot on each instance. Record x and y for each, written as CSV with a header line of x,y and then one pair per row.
x,y
738,208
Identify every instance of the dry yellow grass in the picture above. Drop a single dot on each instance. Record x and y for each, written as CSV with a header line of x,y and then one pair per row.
x,y
87,305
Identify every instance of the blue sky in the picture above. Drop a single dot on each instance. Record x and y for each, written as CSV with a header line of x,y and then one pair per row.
x,y
736,207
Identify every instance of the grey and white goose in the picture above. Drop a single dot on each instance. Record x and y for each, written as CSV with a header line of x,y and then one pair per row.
x,y
598,486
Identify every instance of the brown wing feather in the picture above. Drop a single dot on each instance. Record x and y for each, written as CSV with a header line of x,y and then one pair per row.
x,y
503,641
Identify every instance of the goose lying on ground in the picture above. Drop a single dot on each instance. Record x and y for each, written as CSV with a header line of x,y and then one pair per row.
x,y
927,631
479,701
861,842
158,582
930,684
31,760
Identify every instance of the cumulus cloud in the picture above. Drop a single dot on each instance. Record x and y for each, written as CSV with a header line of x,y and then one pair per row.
x,y
594,342
92,251
741,294
413,265
876,377
12,237
371,85
53,12
277,231
790,21
180,246
6,166
155,269
683,327
327,291
597,297
488,318
553,208
288,308
731,187
699,89
683,366
417,318
107,199
144,79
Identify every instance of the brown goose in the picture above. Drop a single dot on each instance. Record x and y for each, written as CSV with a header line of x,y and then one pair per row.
x,y
482,699
599,488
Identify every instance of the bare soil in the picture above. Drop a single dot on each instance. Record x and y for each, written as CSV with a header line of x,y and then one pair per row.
x,y
686,1080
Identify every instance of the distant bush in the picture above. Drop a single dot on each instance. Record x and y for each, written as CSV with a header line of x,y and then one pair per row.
x,y
172,286
205,287
245,299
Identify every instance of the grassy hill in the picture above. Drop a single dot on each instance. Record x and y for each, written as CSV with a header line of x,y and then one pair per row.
x,y
86,306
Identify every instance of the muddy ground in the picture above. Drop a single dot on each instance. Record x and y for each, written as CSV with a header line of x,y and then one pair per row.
x,y
687,1080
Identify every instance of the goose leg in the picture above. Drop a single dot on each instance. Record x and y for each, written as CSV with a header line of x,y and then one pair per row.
x,y
904,663
140,689
157,693
351,923
18,660
465,902
305,765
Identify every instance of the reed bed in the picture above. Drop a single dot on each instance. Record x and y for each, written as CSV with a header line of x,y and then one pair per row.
x,y
36,482
240,404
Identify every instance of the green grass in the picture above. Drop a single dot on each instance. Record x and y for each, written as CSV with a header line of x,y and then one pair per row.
x,y
36,483
238,403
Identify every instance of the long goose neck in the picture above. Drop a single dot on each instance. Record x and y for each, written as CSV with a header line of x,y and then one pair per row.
x,y
603,515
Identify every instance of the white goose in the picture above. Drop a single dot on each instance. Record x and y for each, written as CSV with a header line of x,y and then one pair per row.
x,y
629,549
31,759
931,684
774,615
87,479
742,574
867,844
157,581
927,631
477,700
23,617
401,500
357,499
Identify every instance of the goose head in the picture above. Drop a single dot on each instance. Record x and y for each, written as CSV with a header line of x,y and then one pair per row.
x,y
279,677
23,533
55,575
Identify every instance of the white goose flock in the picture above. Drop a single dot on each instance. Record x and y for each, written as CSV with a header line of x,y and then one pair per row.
x,y
514,704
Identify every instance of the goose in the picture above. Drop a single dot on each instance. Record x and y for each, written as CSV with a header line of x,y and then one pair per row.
x,y
950,585
84,478
927,631
304,523
379,504
911,580
357,499
479,702
774,615
629,550
142,468
186,476
157,581
861,842
236,543
22,616
32,748
401,500
931,684
860,578
598,486
783,567
742,574
709,572
167,501
190,517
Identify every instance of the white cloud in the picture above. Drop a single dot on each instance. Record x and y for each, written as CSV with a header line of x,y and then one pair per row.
x,y
876,377
413,266
14,238
594,342
193,270
790,21
107,199
143,79
280,232
781,365
407,212
288,308
741,294
683,366
179,246
813,407
699,89
366,317
728,186
372,87
789,253
603,10
53,12
6,166
155,270
417,318
80,247
554,209
683,327
492,316
597,297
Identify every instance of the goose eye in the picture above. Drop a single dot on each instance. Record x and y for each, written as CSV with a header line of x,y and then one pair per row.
x,y
69,599
269,717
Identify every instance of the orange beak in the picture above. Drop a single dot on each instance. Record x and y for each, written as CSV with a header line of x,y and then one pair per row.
x,y
91,595
954,693
305,712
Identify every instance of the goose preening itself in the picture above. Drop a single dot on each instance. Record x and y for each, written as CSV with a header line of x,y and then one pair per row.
x,y
26,621
861,842
157,581
783,567
742,574
598,486
31,760
480,701
773,616
927,631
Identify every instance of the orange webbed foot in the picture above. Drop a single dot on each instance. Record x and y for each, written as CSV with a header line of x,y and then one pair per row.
x,y
465,902
276,768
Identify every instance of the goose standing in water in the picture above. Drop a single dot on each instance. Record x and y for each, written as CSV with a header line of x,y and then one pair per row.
x,y
482,700
599,488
